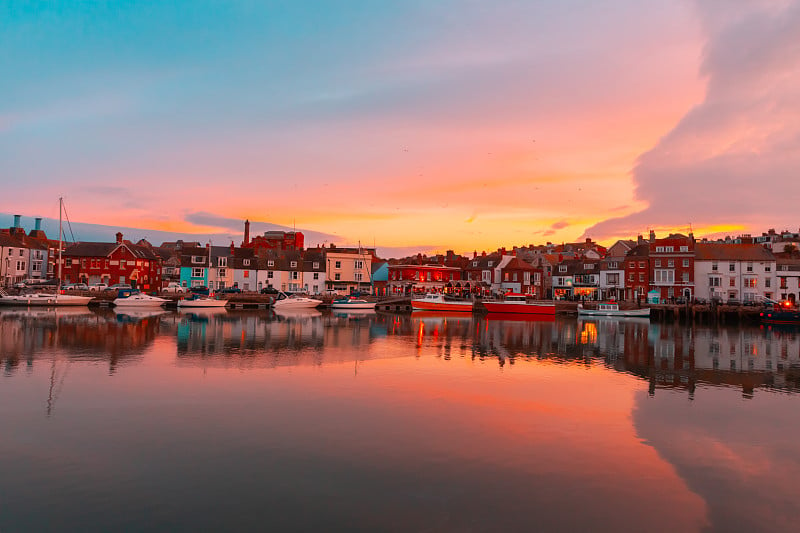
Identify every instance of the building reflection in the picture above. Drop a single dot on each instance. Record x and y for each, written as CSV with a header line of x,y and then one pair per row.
x,y
77,333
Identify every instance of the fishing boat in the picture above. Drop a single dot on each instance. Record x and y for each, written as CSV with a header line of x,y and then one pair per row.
x,y
57,299
195,301
134,298
349,302
285,301
438,302
781,313
516,303
612,309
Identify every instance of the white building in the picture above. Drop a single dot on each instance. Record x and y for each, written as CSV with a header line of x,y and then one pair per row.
x,y
743,272
14,257
612,277
788,279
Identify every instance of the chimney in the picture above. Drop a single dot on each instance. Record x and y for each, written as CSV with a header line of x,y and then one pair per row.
x,y
475,254
639,239
652,236
246,232
233,248
38,226
17,219
119,237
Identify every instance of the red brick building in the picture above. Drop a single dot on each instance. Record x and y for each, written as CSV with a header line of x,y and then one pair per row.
x,y
111,263
404,279
672,266
287,241
637,272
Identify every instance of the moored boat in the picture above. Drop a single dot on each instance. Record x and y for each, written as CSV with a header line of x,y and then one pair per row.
x,y
199,301
515,303
348,302
438,302
781,313
285,301
45,300
612,309
134,298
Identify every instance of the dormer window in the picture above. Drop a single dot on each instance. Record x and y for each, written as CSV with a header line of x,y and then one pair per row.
x,y
246,262
588,266
491,263
562,268
197,259
293,264
474,263
222,261
270,263
316,265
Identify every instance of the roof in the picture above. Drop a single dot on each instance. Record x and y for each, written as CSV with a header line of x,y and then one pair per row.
x,y
103,249
732,252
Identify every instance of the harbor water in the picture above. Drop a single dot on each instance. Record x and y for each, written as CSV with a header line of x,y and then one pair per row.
x,y
323,421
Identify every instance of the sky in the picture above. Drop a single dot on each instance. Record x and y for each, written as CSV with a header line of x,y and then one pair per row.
x,y
414,125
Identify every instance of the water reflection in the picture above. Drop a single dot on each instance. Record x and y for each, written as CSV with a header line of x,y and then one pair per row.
x,y
666,355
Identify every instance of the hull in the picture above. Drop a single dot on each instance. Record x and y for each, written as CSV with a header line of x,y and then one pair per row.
x,y
459,307
201,303
126,303
544,309
46,300
296,303
633,313
781,317
344,306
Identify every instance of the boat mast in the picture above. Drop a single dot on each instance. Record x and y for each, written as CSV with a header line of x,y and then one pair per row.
x,y
60,209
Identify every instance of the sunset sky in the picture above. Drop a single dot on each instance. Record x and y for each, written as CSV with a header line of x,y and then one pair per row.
x,y
411,124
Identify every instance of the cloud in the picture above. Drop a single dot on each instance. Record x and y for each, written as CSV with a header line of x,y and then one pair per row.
x,y
561,224
733,158
236,226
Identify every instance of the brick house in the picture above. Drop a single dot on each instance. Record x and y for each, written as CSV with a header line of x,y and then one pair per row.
x,y
672,265
637,272
111,263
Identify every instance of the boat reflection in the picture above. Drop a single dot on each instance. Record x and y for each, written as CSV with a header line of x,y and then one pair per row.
x,y
77,333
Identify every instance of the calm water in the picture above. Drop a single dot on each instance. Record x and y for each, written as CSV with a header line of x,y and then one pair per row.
x,y
333,422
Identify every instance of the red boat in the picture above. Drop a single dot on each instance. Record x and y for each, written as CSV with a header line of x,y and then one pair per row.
x,y
518,304
437,302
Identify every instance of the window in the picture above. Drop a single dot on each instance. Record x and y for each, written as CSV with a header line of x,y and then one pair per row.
x,y
684,248
562,268
491,263
641,264
197,259
474,263
630,277
68,262
83,262
733,282
359,276
751,283
731,267
315,266
359,264
123,263
514,278
222,261
669,249
246,274
664,276
270,264
588,266
270,274
294,275
660,249
612,279
657,263
671,263
632,264
685,277
767,268
612,265
641,278
714,281
749,267
714,266
337,264
686,263
221,272
767,283
337,277
197,272
293,264
21,252
20,265
316,275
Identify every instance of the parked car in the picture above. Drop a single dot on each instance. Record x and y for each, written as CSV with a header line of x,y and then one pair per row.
x,y
733,301
230,290
269,290
201,289
98,286
119,287
20,285
174,288
75,287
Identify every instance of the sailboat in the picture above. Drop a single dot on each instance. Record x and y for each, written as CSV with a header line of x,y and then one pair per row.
x,y
48,299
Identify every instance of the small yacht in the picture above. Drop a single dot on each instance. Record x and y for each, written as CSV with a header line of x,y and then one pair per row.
x,y
438,302
612,309
134,298
285,301
349,302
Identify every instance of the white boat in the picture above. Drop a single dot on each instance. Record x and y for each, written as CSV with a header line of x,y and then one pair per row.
x,y
348,302
438,302
612,309
44,300
48,299
132,298
197,301
294,302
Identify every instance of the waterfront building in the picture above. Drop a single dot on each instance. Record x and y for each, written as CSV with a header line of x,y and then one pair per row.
x,y
637,272
272,270
563,279
244,266
478,272
586,279
380,278
734,272
112,263
410,279
612,276
672,265
348,270
788,278
313,271
194,266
